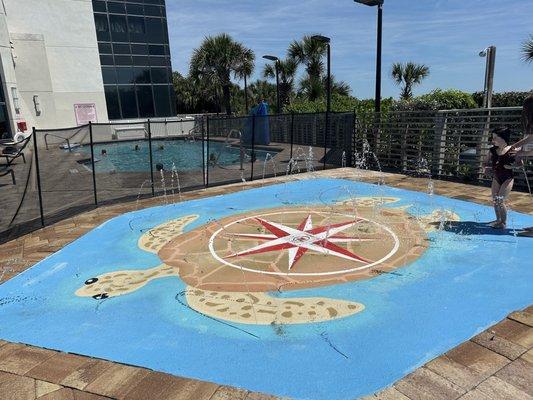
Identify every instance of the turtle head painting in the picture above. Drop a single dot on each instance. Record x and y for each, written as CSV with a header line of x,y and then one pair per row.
x,y
234,266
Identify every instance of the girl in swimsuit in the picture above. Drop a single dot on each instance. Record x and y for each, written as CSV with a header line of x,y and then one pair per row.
x,y
502,158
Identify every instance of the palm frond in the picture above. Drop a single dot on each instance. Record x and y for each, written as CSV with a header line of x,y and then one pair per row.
x,y
527,50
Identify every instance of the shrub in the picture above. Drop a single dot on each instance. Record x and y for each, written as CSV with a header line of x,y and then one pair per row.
x,y
339,103
438,99
504,99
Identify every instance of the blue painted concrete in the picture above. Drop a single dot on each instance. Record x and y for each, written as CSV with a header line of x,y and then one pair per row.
x,y
468,279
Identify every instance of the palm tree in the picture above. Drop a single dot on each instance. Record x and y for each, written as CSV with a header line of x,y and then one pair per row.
x,y
184,92
287,72
309,53
527,50
408,75
217,58
263,90
245,69
318,87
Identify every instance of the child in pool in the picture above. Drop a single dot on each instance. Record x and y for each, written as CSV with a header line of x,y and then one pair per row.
x,y
501,160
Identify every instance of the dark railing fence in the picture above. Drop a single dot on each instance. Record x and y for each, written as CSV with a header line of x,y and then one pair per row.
x,y
449,144
80,168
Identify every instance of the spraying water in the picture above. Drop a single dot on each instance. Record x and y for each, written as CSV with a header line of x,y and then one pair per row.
x,y
163,185
174,173
268,158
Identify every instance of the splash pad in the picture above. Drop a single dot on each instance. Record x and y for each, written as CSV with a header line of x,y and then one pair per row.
x,y
321,288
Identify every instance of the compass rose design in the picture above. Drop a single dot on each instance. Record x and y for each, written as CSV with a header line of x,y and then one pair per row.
x,y
305,237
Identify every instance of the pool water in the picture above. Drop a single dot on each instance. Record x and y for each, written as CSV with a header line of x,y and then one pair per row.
x,y
468,277
133,156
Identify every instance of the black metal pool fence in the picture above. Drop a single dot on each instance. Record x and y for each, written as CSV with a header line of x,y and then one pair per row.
x,y
76,169
72,170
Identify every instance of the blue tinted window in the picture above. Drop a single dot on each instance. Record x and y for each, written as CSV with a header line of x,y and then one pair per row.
x,y
142,75
124,75
161,100
145,101
119,28
157,50
104,48
135,9
128,102
121,49
154,30
159,75
159,61
99,6
139,49
141,60
137,29
108,75
106,60
102,27
117,8
111,98
123,60
153,11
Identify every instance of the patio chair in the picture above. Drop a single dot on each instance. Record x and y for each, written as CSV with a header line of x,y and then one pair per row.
x,y
4,170
13,152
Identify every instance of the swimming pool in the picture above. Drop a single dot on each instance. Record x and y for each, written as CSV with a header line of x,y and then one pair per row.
x,y
133,156
316,289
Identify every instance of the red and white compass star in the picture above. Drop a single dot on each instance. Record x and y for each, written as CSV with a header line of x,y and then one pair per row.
x,y
299,240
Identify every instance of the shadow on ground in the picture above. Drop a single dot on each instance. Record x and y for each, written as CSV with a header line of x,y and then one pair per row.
x,y
479,228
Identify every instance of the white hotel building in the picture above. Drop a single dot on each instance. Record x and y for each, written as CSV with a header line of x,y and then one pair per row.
x,y
64,62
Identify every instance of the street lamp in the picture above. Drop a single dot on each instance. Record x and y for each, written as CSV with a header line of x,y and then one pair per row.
x,y
379,4
245,94
490,54
327,42
276,61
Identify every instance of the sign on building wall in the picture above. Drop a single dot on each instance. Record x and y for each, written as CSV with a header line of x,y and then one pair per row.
x,y
85,113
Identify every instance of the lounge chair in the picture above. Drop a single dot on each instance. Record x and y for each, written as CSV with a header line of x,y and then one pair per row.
x,y
14,151
4,170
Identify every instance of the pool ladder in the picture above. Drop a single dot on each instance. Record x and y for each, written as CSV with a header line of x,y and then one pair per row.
x,y
227,144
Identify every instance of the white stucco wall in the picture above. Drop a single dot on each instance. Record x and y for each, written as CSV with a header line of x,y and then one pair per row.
x,y
57,58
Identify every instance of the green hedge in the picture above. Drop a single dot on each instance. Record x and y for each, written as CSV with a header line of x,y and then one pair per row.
x,y
438,99
338,104
504,99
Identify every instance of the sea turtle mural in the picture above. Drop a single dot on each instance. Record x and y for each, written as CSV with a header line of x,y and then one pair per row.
x,y
236,267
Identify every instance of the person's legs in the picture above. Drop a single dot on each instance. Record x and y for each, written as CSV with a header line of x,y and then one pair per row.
x,y
495,188
503,193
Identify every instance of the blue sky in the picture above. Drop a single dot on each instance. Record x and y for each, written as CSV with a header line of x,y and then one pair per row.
x,y
446,35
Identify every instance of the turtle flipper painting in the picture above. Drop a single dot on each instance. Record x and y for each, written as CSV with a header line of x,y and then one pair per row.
x,y
293,282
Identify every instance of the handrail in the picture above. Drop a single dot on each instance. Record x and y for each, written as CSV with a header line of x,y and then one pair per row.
x,y
241,148
57,136
61,137
226,144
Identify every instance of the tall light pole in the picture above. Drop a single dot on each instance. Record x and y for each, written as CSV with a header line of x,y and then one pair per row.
x,y
245,95
276,61
327,42
379,4
490,54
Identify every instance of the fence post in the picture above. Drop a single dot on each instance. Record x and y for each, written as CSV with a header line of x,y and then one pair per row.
x,y
34,131
208,156
441,120
291,141
353,139
203,153
151,158
481,145
326,135
92,162
253,149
